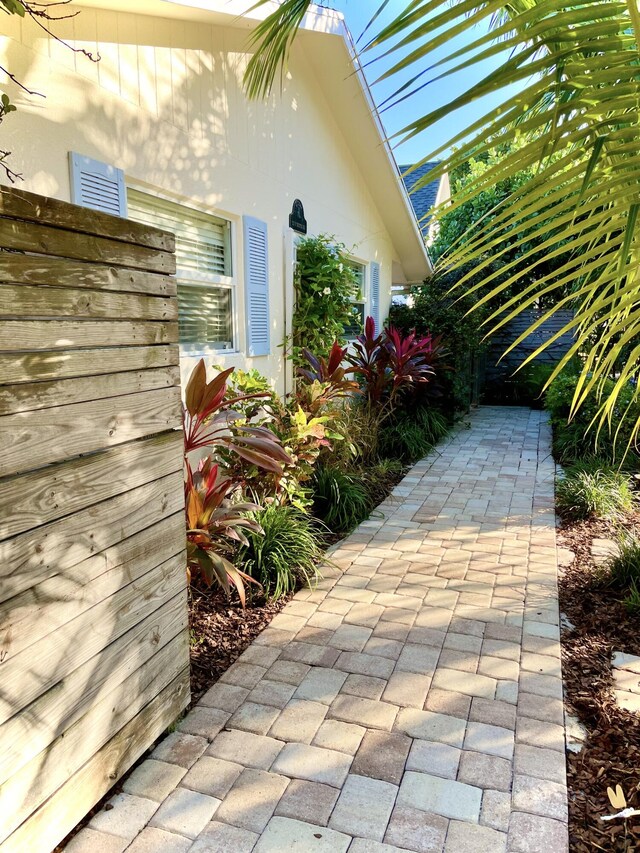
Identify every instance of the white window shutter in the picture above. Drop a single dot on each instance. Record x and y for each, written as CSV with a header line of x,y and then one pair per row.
x,y
375,294
97,185
256,279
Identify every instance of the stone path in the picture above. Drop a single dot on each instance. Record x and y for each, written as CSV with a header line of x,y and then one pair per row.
x,y
413,701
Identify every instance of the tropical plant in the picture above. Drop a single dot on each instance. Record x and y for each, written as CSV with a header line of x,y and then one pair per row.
x,y
594,490
216,517
434,310
303,425
211,423
410,435
572,438
215,525
324,379
325,285
340,498
287,551
390,364
572,102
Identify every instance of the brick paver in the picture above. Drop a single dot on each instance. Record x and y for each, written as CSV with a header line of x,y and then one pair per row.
x,y
412,701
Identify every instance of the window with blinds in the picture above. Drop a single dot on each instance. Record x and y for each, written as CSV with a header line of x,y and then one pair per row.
x,y
359,301
204,270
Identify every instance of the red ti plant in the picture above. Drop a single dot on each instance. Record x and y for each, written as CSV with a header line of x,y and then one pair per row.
x,y
214,525
209,418
326,379
389,364
215,522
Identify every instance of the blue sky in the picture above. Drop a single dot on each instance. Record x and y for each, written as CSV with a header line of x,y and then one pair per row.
x,y
357,14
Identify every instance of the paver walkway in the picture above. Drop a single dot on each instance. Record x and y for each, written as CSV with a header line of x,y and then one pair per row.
x,y
412,702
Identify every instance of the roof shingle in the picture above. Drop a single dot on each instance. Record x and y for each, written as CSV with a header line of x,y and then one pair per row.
x,y
424,198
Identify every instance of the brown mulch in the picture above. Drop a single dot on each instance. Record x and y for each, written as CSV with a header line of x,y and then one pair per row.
x,y
220,630
611,754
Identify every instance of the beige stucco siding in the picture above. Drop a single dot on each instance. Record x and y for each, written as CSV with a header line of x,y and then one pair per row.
x,y
165,104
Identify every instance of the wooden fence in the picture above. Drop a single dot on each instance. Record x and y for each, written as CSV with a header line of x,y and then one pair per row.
x,y
93,620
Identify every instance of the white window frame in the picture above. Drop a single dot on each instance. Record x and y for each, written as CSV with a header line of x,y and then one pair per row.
x,y
365,287
192,277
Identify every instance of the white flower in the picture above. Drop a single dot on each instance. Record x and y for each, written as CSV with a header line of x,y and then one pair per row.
x,y
341,267
327,291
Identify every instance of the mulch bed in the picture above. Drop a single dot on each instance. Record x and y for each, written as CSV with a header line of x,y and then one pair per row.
x,y
220,630
611,754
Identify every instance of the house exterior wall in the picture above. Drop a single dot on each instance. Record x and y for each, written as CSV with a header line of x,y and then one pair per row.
x,y
165,105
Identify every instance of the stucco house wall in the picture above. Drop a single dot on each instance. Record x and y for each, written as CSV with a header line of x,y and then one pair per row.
x,y
165,105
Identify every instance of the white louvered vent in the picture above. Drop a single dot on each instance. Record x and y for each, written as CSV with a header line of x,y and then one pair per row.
x,y
97,185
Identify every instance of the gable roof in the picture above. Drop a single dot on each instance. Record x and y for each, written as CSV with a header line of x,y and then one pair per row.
x,y
424,198
328,47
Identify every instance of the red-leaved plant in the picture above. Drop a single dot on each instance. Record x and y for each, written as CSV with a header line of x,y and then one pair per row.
x,y
390,364
215,518
326,379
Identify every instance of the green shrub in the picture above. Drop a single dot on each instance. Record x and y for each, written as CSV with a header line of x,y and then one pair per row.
x,y
325,284
341,500
410,435
593,489
574,439
529,384
623,571
286,554
380,478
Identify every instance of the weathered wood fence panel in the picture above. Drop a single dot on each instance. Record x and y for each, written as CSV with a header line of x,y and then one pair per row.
x,y
94,658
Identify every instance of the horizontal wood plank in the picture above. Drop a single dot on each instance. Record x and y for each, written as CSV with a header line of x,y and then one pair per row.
x,y
45,240
48,606
55,549
19,367
32,784
26,734
29,501
62,811
21,335
19,204
37,669
45,395
25,301
33,439
62,272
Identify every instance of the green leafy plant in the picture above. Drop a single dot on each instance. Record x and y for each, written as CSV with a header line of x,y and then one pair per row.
x,y
596,490
215,524
325,284
341,499
576,433
286,553
216,517
380,477
303,424
410,435
623,570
